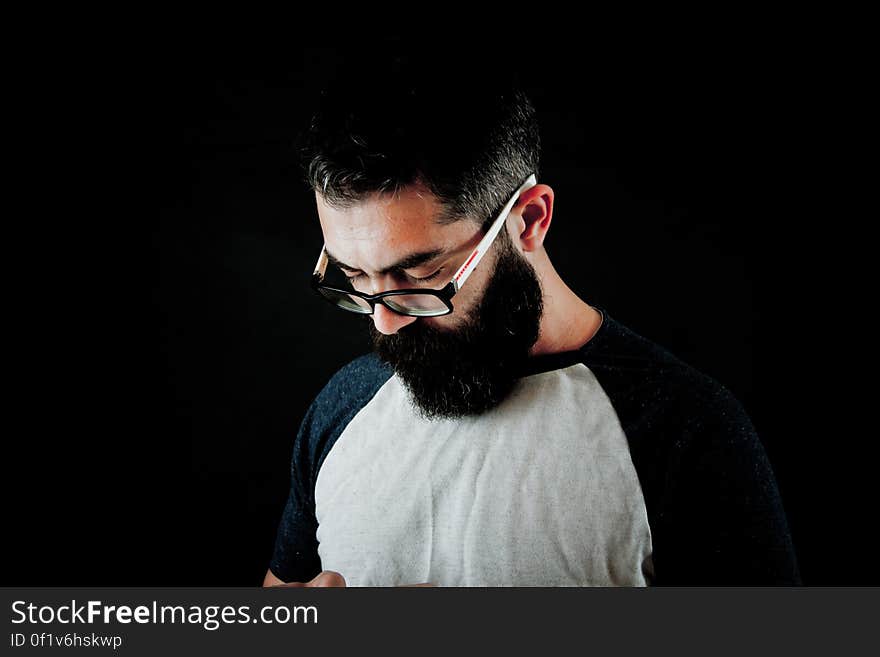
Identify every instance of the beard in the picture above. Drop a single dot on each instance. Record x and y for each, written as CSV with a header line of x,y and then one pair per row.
x,y
450,373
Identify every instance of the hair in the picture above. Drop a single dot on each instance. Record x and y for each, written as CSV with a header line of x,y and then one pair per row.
x,y
461,128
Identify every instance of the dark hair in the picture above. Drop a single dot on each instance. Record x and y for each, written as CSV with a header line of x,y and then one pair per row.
x,y
459,126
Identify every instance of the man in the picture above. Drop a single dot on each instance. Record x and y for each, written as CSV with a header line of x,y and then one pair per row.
x,y
504,431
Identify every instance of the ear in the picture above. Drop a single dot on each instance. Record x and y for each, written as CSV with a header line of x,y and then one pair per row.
x,y
534,210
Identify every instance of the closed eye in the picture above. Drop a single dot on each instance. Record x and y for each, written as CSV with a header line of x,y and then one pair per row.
x,y
428,278
424,279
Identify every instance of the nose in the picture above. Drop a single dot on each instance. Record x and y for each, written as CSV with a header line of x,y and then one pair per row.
x,y
389,322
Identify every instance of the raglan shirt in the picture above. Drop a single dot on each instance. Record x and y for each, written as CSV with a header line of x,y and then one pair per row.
x,y
612,464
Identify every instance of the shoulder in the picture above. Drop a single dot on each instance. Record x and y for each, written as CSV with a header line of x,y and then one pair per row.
x,y
361,377
347,391
715,511
665,405
633,367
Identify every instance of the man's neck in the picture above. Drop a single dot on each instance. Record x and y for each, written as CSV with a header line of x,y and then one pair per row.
x,y
567,322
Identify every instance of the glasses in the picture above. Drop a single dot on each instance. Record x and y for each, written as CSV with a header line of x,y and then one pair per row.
x,y
415,302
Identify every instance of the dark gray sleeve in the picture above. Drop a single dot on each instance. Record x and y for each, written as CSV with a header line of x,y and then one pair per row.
x,y
295,557
717,514
713,504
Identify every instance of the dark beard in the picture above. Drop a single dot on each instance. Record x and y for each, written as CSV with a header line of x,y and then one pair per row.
x,y
471,369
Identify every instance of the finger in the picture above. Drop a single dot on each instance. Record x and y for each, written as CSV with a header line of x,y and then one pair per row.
x,y
288,584
328,578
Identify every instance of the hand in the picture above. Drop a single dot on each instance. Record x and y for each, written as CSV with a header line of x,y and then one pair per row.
x,y
407,586
326,578
330,578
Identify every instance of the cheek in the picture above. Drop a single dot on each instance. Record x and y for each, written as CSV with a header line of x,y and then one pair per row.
x,y
463,303
452,321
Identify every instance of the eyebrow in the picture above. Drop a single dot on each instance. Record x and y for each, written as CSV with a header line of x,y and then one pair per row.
x,y
407,262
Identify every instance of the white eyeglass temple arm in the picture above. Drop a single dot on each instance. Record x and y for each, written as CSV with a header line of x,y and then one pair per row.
x,y
480,250
321,267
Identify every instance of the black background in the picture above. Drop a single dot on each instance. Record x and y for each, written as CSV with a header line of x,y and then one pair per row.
x,y
167,344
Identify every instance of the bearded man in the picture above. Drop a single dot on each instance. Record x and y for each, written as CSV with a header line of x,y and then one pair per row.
x,y
503,432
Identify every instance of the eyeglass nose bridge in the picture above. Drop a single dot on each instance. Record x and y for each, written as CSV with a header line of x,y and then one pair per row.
x,y
381,301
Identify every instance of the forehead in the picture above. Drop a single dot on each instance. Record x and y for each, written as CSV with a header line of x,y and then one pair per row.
x,y
384,228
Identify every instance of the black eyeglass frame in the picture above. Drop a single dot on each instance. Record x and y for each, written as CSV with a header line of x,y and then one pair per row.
x,y
445,295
